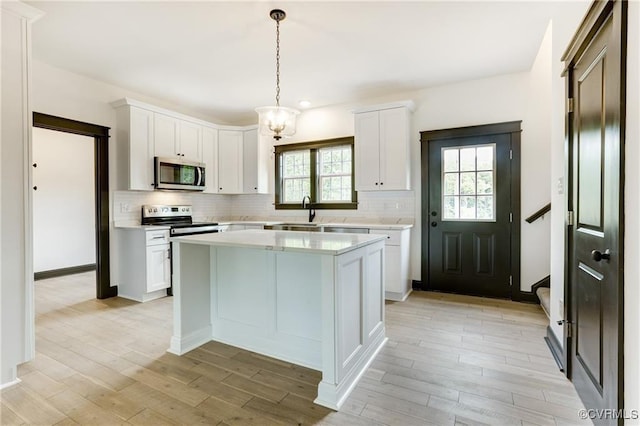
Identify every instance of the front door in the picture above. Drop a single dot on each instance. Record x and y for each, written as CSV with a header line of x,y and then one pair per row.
x,y
468,221
594,330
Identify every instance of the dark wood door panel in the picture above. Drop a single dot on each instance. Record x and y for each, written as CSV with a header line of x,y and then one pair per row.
x,y
468,213
596,87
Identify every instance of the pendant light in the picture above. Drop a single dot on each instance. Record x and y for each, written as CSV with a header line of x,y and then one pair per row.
x,y
275,120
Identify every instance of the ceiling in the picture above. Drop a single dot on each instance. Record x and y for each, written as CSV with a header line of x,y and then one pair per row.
x,y
218,58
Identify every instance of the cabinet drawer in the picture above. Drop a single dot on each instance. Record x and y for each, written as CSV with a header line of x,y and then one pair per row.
x,y
157,237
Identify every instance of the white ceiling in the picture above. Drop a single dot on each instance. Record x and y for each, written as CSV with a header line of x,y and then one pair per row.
x,y
219,57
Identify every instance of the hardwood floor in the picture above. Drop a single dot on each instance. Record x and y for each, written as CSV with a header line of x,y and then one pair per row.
x,y
450,360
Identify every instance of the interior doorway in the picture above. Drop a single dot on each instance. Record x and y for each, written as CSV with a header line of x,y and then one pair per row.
x,y
99,136
471,210
63,203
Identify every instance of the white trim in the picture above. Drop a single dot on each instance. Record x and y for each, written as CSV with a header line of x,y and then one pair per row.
x,y
182,345
409,104
9,384
138,104
30,13
397,296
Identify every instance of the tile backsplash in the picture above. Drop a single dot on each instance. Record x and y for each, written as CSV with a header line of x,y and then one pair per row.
x,y
373,207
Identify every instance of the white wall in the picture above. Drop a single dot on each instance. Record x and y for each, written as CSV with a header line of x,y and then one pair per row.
x,y
632,219
64,204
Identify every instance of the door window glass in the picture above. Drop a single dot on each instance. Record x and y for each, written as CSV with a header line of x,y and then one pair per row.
x,y
468,183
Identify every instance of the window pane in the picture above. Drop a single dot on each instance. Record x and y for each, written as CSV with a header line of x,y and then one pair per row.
x,y
451,184
467,183
485,158
467,207
485,207
450,208
450,160
332,173
467,159
485,182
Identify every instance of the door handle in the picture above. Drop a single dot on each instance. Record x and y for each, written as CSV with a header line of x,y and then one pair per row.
x,y
598,256
434,224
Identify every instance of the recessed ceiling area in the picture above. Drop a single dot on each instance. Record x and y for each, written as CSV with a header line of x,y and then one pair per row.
x,y
218,58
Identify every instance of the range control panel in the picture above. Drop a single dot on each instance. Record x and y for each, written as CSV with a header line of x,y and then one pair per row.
x,y
165,211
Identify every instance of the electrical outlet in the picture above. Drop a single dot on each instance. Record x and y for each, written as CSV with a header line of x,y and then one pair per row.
x,y
561,308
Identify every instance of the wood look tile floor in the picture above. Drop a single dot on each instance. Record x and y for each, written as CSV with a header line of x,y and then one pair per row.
x,y
450,360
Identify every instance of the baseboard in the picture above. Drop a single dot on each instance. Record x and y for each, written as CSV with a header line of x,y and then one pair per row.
x,y
530,296
555,347
9,384
416,284
396,297
182,345
53,273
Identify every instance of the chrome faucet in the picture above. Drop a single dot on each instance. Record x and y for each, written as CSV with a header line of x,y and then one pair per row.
x,y
305,203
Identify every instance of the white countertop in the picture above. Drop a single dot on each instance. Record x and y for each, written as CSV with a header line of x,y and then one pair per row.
x,y
307,242
372,226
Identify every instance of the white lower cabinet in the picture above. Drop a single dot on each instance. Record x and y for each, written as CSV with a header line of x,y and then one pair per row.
x,y
158,267
396,261
144,263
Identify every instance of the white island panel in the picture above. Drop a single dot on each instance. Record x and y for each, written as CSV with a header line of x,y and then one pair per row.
x,y
312,299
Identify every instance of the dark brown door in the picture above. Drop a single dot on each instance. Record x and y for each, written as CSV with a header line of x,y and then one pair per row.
x,y
469,215
595,262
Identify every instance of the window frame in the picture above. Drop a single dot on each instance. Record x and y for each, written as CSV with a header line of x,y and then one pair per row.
x,y
313,148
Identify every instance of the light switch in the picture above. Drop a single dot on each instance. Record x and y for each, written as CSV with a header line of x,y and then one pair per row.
x,y
560,186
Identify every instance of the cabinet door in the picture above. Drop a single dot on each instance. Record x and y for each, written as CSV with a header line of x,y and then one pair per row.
x,y
190,142
229,162
250,162
165,135
394,149
366,147
392,271
158,267
140,149
210,159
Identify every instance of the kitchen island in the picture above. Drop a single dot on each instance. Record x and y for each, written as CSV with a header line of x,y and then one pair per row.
x,y
309,298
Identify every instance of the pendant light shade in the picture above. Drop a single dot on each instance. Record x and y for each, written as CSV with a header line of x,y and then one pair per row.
x,y
277,121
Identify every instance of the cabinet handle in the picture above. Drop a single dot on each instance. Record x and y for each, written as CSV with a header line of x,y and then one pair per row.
x,y
35,188
220,189
376,183
255,187
35,164
159,237
381,183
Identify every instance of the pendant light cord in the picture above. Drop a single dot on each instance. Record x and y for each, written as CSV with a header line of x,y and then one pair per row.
x,y
277,62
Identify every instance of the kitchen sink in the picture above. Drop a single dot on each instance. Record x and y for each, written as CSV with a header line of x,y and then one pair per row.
x,y
308,227
316,227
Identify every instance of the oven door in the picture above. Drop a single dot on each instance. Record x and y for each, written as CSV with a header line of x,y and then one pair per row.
x,y
174,173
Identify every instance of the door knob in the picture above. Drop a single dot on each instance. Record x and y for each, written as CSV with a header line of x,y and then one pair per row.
x,y
434,213
598,256
434,224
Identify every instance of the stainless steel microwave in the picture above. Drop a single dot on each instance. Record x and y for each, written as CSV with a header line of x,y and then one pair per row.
x,y
177,173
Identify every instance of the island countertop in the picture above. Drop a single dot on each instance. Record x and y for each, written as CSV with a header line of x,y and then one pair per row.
x,y
293,241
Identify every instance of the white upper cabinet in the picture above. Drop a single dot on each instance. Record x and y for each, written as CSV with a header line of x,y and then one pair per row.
x,y
230,161
255,168
190,141
382,147
236,162
166,136
210,159
135,155
177,138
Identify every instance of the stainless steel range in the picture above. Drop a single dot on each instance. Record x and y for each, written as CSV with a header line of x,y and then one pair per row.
x,y
178,218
